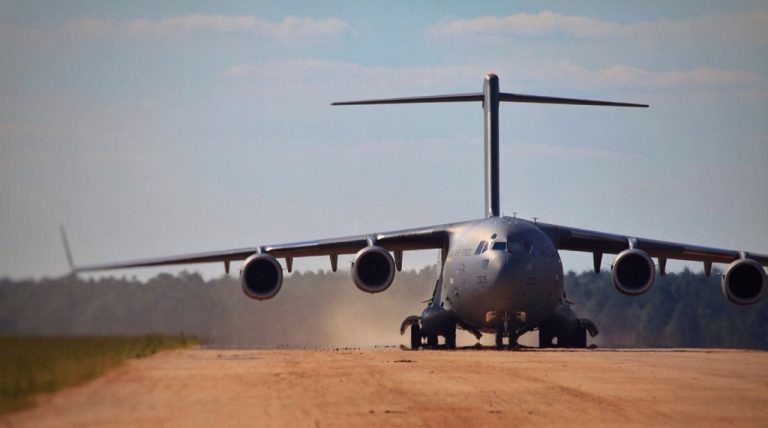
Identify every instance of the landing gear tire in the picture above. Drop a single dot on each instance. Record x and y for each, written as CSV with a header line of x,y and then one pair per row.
x,y
450,337
415,336
432,341
579,338
545,338
499,339
576,339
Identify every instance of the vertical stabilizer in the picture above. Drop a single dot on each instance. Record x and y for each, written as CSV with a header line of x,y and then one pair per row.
x,y
491,123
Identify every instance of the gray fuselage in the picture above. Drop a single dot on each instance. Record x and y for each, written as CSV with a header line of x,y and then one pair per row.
x,y
501,269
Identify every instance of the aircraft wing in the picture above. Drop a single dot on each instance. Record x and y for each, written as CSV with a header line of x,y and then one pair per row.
x,y
574,239
430,237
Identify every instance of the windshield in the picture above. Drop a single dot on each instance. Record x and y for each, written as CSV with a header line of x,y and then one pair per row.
x,y
509,247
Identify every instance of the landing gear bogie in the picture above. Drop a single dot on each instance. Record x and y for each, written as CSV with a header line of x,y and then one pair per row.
x,y
432,341
568,336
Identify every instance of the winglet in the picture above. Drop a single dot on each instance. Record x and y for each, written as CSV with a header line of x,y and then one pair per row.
x,y
66,249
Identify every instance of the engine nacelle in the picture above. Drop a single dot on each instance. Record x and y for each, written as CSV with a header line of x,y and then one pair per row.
x,y
373,269
744,282
261,277
633,272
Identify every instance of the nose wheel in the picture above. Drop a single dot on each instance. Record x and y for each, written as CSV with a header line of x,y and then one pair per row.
x,y
503,331
499,339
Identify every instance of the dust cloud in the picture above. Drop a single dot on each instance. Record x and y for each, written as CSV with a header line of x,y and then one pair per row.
x,y
313,309
324,309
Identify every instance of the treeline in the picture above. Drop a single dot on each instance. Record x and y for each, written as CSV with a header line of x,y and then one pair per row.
x,y
325,309
681,310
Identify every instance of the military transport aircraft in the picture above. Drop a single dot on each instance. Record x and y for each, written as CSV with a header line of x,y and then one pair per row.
x,y
500,275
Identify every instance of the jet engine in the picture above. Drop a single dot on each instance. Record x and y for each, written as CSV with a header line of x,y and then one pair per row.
x,y
261,277
373,269
744,282
633,272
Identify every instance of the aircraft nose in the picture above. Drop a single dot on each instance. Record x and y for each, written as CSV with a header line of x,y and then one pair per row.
x,y
509,273
512,269
508,292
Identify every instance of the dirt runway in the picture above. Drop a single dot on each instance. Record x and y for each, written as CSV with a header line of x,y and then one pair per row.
x,y
392,387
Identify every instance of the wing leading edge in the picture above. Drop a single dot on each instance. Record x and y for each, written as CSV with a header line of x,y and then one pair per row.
x,y
424,238
574,239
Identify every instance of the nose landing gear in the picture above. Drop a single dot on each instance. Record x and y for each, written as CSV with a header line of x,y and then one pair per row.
x,y
502,320
503,332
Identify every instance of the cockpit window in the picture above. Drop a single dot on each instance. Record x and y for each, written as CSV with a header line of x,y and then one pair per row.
x,y
499,245
479,248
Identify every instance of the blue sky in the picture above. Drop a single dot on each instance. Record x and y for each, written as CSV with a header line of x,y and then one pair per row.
x,y
160,128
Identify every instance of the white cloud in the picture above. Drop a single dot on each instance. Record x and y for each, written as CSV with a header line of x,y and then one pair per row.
x,y
540,24
331,77
745,27
290,28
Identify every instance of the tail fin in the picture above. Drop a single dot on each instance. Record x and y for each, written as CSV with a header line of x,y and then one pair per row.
x,y
490,97
66,249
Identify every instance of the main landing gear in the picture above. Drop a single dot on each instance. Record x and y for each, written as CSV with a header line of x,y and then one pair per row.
x,y
447,330
569,330
415,336
573,335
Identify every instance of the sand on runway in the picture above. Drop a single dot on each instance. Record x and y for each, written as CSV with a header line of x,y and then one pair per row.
x,y
393,387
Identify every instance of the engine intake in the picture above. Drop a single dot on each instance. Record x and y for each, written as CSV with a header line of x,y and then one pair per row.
x,y
633,272
373,269
261,277
744,282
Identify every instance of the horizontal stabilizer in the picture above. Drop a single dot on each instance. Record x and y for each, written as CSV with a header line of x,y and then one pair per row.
x,y
453,98
522,98
503,96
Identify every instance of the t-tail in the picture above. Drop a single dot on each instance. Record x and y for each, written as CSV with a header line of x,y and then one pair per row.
x,y
490,97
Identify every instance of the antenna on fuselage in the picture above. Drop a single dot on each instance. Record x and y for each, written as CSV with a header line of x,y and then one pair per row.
x,y
490,97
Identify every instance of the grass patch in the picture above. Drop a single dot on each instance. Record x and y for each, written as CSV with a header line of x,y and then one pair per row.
x,y
32,365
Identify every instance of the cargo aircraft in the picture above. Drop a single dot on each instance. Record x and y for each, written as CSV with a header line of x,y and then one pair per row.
x,y
499,275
